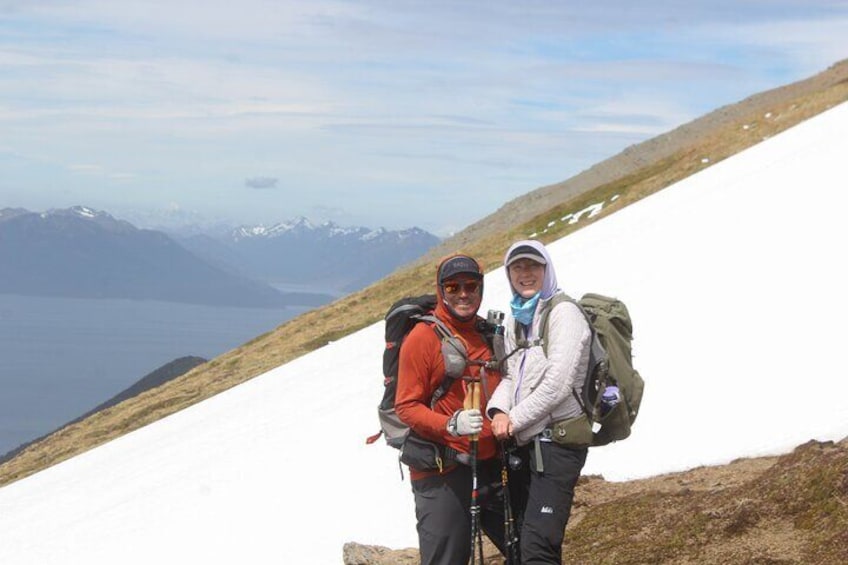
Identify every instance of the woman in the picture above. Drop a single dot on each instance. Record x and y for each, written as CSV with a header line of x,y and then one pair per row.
x,y
536,402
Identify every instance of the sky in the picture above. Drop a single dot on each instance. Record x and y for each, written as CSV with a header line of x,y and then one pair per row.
x,y
371,113
733,289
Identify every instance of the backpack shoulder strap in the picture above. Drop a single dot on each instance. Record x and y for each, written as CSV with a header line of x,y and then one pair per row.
x,y
556,299
448,339
544,313
443,332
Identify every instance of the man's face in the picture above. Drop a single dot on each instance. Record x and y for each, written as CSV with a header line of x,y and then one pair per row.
x,y
463,293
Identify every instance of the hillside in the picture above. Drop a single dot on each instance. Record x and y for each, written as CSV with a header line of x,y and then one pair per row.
x,y
664,159
360,309
787,509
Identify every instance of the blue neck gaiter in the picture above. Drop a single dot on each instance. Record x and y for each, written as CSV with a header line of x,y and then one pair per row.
x,y
524,308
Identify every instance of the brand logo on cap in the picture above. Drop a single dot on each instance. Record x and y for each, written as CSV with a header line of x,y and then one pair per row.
x,y
457,265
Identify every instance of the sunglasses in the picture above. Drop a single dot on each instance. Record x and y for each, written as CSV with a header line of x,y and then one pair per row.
x,y
470,287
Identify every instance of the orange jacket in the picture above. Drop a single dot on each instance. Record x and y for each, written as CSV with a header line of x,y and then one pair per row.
x,y
421,370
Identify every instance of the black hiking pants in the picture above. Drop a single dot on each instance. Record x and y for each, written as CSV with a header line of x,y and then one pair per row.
x,y
542,500
443,510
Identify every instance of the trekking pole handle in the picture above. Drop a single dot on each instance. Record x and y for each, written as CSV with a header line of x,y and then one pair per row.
x,y
472,400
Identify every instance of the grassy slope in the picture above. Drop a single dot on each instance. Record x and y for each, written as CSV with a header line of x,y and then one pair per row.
x,y
718,137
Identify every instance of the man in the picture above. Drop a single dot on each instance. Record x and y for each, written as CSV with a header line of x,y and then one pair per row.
x,y
443,496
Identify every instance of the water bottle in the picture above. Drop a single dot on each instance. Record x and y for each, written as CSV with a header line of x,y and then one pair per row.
x,y
609,399
495,320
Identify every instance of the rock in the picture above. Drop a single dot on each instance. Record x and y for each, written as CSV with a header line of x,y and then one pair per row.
x,y
357,554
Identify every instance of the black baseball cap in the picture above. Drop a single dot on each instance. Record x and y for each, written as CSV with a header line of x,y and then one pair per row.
x,y
457,265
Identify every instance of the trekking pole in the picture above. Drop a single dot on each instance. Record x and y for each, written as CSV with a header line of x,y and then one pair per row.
x,y
511,540
472,401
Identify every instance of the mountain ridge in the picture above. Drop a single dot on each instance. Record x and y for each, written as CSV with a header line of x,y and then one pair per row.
x,y
689,137
344,258
329,229
80,252
100,256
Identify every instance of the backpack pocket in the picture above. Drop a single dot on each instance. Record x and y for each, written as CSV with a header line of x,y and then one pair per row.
x,y
572,432
392,428
454,356
421,455
634,398
615,425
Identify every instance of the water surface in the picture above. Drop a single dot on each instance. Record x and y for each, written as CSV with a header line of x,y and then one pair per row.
x,y
60,357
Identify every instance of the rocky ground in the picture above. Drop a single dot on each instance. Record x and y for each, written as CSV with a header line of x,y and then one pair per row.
x,y
791,509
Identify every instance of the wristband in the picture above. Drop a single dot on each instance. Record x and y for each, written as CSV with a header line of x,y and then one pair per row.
x,y
451,427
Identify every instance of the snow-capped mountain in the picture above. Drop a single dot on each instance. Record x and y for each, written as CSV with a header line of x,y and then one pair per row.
x,y
299,225
9,213
302,252
99,217
82,252
83,212
302,227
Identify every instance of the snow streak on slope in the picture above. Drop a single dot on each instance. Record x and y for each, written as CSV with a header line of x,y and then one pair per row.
x,y
734,279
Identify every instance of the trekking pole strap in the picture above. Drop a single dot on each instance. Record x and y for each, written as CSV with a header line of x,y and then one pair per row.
x,y
452,454
537,445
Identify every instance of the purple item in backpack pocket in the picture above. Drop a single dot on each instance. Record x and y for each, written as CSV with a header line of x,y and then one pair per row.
x,y
609,399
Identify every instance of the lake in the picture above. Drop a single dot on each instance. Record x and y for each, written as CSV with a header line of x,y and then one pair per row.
x,y
61,357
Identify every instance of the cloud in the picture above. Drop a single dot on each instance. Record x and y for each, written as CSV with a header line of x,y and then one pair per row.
x,y
402,96
86,169
324,213
261,182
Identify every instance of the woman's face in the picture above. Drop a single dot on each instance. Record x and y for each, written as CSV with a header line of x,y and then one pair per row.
x,y
526,277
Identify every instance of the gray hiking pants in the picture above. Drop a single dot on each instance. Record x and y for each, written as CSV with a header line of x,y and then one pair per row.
x,y
442,507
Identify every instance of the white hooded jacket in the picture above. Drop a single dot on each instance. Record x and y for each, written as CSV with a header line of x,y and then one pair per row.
x,y
536,390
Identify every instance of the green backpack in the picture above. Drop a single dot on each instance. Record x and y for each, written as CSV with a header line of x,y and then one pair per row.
x,y
610,364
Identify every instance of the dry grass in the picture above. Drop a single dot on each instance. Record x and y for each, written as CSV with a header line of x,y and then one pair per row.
x,y
717,140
